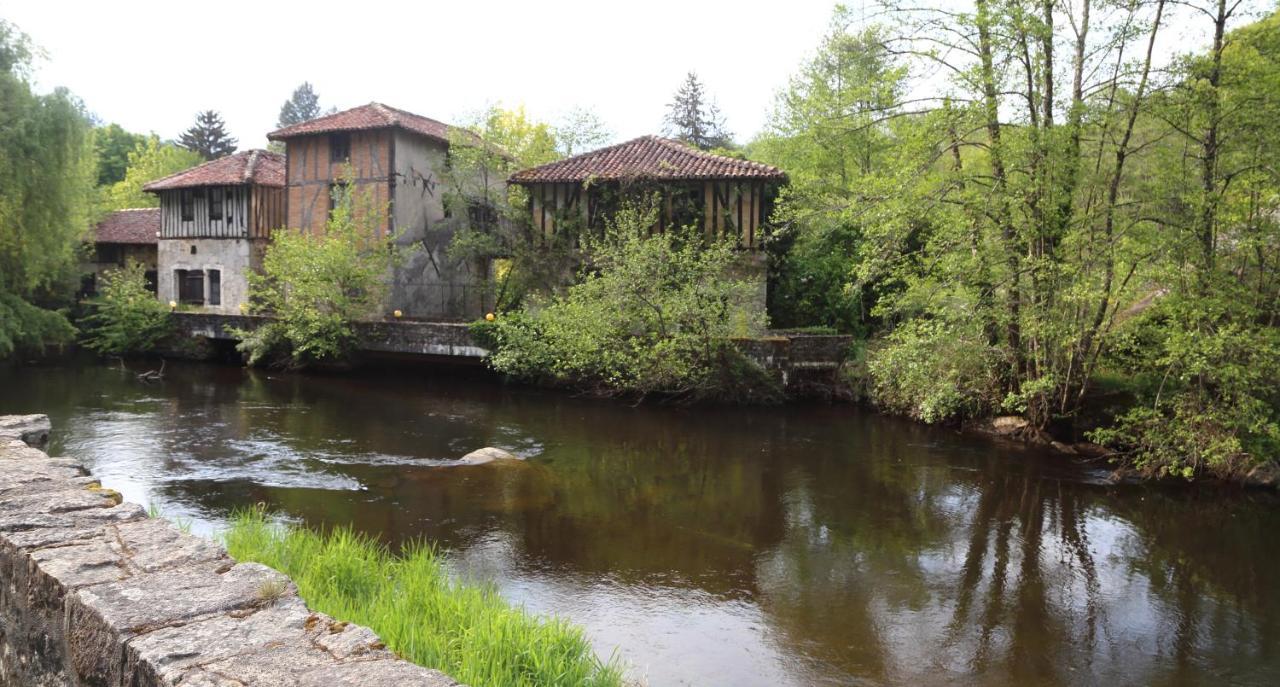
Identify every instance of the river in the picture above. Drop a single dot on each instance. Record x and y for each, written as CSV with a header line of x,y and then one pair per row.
x,y
802,545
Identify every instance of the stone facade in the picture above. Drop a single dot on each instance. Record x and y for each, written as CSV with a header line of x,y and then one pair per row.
x,y
233,259
95,593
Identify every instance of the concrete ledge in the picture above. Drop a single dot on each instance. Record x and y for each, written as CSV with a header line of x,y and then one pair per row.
x,y
95,593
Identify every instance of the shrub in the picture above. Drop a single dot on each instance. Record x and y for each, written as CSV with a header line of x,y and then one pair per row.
x,y
1214,407
25,327
315,286
934,371
126,318
651,314
466,630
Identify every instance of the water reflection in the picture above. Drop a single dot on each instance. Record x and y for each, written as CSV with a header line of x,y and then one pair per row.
x,y
807,545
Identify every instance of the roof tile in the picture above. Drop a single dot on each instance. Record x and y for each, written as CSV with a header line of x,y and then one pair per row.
x,y
647,157
365,117
135,225
258,167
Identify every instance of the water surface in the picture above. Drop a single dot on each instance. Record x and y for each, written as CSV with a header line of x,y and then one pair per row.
x,y
806,545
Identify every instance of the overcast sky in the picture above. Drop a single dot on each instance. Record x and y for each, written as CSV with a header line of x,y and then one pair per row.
x,y
149,66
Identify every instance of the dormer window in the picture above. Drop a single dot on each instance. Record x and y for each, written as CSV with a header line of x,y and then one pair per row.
x,y
339,147
187,204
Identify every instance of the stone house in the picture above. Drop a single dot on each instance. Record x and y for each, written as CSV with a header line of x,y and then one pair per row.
x,y
121,236
724,196
215,222
398,160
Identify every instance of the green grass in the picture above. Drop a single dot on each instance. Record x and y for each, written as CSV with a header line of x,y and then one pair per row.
x,y
465,630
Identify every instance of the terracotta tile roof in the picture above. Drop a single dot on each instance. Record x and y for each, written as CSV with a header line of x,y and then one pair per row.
x,y
259,167
647,157
136,225
365,117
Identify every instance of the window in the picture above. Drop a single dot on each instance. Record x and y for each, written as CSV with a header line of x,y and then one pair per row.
x,y
337,191
190,286
215,287
215,204
339,147
187,199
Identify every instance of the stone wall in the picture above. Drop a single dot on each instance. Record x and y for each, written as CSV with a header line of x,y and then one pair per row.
x,y
442,339
804,364
95,593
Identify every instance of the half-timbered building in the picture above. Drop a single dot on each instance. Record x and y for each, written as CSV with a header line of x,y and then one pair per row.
x,y
216,220
122,236
397,160
724,196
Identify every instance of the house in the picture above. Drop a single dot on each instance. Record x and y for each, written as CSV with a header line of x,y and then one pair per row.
x,y
121,236
397,159
725,196
215,222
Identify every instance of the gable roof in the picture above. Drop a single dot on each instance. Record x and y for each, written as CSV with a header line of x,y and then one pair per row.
x,y
364,118
647,157
258,167
135,225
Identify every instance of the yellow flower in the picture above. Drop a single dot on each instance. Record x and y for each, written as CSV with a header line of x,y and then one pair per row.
x,y
489,317
398,314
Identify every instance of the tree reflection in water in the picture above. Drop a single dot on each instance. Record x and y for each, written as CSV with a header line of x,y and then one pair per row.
x,y
800,545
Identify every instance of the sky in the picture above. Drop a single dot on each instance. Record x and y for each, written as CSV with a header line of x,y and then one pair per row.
x,y
150,66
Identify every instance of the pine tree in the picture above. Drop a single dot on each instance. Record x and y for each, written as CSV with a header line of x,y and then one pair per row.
x,y
302,106
694,119
208,136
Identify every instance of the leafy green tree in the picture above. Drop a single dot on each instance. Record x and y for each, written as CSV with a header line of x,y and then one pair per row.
x,y
493,222
315,286
694,118
126,317
653,313
47,172
151,160
208,136
112,145
302,106
580,130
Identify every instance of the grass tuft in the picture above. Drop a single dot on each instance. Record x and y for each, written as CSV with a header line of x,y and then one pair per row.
x,y
465,630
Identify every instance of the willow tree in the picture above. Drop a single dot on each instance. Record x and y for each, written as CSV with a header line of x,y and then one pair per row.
x,y
47,173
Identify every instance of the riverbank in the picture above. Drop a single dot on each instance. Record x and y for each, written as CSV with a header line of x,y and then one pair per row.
x,y
420,611
789,545
98,593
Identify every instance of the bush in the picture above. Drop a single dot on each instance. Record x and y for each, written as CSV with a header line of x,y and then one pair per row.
x,y
651,314
126,318
1214,407
465,630
25,327
934,371
316,286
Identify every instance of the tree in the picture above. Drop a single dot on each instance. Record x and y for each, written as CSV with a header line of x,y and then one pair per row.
x,y
694,118
47,173
482,156
652,313
208,136
112,145
579,131
1031,197
302,106
151,160
314,287
126,317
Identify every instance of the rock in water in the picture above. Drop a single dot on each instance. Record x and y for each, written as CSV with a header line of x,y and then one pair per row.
x,y
1008,424
487,454
32,429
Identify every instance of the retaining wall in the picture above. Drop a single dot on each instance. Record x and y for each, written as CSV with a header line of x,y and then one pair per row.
x,y
94,593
